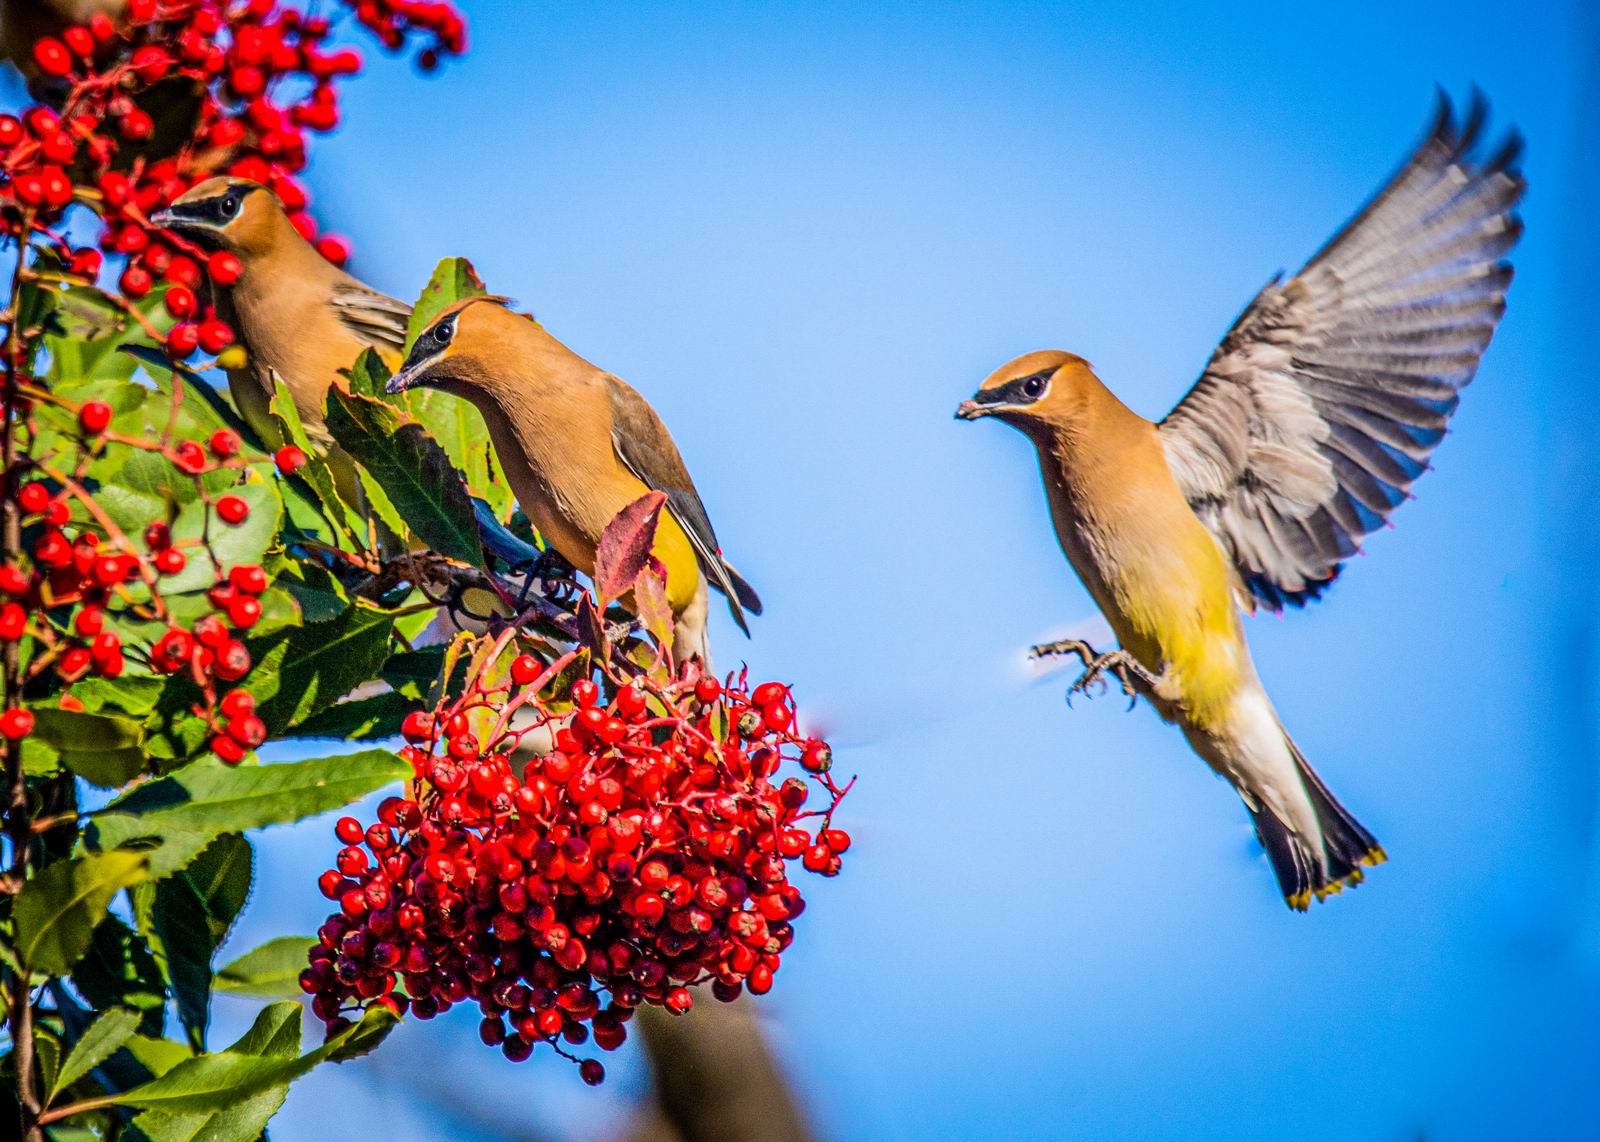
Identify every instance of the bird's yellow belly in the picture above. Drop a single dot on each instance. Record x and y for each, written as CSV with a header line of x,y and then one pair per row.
x,y
574,526
1171,607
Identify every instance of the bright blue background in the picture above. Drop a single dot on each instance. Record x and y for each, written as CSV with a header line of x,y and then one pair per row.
x,y
806,233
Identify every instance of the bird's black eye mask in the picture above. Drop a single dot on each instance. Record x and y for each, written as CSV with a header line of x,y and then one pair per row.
x,y
434,340
216,211
1018,390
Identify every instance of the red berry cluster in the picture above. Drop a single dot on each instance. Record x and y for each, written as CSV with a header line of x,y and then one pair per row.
x,y
267,78
646,852
82,575
394,20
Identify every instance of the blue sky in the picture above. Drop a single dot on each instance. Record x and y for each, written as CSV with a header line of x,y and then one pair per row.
x,y
806,232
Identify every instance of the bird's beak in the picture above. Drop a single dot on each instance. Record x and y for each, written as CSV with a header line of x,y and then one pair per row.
x,y
163,218
405,379
971,410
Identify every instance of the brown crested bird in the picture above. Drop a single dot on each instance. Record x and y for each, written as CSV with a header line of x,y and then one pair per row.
x,y
297,315
577,445
1314,416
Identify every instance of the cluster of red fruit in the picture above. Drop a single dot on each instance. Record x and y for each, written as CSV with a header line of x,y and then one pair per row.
x,y
77,580
265,79
646,852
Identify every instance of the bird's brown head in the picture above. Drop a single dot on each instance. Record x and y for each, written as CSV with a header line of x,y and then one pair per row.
x,y
233,214
1035,390
457,352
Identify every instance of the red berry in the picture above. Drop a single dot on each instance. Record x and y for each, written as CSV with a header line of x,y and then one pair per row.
x,y
180,301
224,443
16,724
244,612
237,703
249,578
136,281
52,56
183,339
33,498
289,459
224,267
170,561
525,669
585,693
13,622
233,510
215,336
230,751
592,1071
94,416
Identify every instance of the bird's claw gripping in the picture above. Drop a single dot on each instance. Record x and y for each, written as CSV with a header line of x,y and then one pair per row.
x,y
1133,677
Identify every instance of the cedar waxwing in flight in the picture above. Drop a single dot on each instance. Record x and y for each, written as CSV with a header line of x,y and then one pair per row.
x,y
577,446
297,314
1312,419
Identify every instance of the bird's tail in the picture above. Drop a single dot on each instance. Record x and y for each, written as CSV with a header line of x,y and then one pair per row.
x,y
1346,846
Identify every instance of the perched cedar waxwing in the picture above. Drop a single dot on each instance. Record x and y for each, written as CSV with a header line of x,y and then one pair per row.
x,y
577,446
297,314
1313,417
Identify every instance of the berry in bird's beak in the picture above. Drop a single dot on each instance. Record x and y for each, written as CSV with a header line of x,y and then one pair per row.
x,y
969,410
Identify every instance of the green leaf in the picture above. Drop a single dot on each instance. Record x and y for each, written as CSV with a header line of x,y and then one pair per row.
x,y
268,972
453,280
103,749
413,672
373,718
300,672
117,970
130,694
217,1081
57,911
231,544
97,1044
241,1121
275,1032
193,912
317,474
413,471
176,817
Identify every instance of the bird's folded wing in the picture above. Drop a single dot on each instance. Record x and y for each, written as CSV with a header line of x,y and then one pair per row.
x,y
377,319
1324,401
646,449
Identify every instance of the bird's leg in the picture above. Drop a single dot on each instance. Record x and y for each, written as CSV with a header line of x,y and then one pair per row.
x,y
1127,670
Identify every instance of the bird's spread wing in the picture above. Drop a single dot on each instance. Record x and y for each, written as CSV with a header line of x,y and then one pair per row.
x,y
377,319
646,449
1324,401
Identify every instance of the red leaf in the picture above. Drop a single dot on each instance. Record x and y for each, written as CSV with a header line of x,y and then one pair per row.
x,y
625,546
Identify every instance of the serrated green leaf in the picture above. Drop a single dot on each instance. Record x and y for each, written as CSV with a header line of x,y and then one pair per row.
x,y
192,913
57,911
269,972
103,749
275,1032
453,280
242,1121
134,694
372,718
217,1081
415,474
232,544
173,819
298,673
413,672
118,969
110,1031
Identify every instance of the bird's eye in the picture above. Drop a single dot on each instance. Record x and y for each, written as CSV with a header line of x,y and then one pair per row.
x,y
444,331
230,205
1033,387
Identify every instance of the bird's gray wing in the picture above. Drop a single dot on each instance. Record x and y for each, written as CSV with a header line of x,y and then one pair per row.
x,y
377,319
646,449
1322,404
